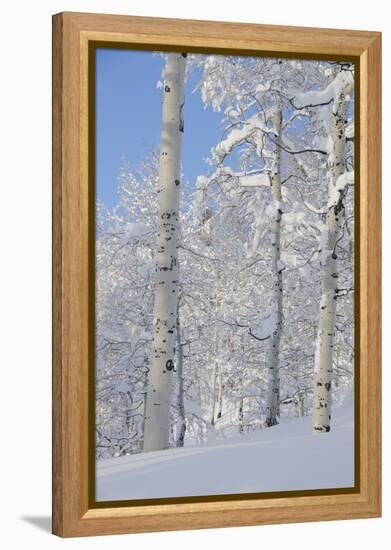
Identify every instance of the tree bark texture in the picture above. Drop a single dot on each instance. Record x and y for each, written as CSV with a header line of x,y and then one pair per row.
x,y
273,379
329,276
157,421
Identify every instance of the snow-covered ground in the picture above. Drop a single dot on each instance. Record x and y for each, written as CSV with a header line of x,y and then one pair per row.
x,y
285,457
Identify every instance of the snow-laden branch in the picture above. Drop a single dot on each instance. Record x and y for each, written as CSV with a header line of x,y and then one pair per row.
x,y
239,135
250,331
298,151
137,230
336,190
313,209
349,131
254,180
342,83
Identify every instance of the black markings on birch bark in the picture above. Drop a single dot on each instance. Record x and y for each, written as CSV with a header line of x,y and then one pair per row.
x,y
170,365
181,119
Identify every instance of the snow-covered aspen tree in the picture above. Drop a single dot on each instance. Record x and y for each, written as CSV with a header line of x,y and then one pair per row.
x,y
156,434
341,88
216,372
180,403
217,393
240,413
214,386
217,396
273,389
220,395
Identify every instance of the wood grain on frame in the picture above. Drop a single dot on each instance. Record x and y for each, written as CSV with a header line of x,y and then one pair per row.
x,y
72,513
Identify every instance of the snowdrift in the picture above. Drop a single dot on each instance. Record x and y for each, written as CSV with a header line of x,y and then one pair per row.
x,y
282,458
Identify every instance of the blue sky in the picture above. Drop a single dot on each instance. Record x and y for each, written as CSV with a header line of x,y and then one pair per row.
x,y
128,118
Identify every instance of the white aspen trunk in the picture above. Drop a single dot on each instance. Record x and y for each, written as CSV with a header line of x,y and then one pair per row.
x,y
144,409
157,419
300,405
329,276
273,387
219,394
129,428
181,421
216,369
197,384
214,390
241,414
141,444
199,390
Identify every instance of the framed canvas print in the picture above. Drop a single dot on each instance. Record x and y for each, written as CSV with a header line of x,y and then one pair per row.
x,y
216,238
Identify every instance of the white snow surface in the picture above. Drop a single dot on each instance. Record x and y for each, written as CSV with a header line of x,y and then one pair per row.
x,y
282,458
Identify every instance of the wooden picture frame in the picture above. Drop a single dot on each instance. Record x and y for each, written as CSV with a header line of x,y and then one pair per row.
x,y
74,513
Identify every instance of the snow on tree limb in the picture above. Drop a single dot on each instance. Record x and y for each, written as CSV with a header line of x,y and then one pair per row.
x,y
340,185
342,83
349,131
254,180
238,135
